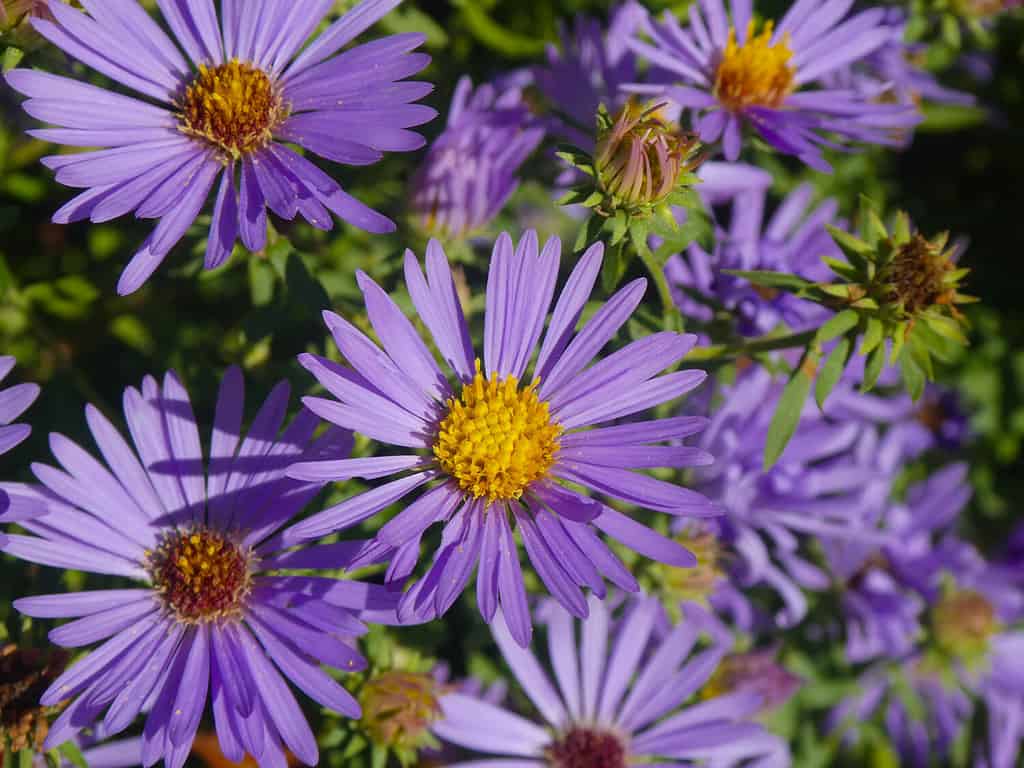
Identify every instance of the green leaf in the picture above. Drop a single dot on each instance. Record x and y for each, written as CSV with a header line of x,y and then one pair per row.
x,y
73,754
769,279
790,406
616,259
837,325
589,233
848,243
619,227
873,367
913,377
946,118
832,370
873,335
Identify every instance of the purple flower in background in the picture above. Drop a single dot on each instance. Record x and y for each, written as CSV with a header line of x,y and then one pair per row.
x,y
823,487
14,401
589,69
224,115
472,168
620,698
886,588
969,607
793,240
492,451
758,672
214,617
891,74
729,73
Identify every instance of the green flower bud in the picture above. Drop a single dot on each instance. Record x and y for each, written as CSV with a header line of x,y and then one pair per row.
x,y
641,159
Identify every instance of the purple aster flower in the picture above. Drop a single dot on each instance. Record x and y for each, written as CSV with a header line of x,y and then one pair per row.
x,y
793,240
823,487
14,401
729,73
213,617
493,449
620,698
970,607
225,115
891,73
472,168
588,70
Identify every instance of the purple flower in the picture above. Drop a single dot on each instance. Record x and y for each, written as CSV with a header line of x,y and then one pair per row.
x,y
14,401
822,488
488,452
793,240
224,115
729,73
471,169
213,616
966,610
620,698
891,74
758,672
588,70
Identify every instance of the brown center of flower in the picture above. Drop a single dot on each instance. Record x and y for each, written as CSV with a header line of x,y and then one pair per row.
x,y
398,707
24,675
234,106
917,276
587,748
202,575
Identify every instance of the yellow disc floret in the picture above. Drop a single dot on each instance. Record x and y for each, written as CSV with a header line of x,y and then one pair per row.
x,y
234,106
757,73
496,438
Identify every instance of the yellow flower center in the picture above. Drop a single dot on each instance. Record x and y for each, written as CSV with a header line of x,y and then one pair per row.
x,y
757,73
695,584
496,438
234,106
201,575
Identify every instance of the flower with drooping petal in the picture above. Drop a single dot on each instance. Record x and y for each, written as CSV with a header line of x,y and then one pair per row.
x,y
223,113
14,401
730,70
793,240
492,451
618,698
213,617
471,169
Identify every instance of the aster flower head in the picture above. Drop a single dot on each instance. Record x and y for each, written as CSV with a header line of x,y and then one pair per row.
x,y
757,672
493,449
471,169
223,113
212,615
14,401
618,697
822,488
731,70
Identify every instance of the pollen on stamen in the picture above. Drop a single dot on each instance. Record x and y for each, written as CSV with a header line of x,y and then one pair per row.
x,y
201,575
584,747
233,106
497,439
757,73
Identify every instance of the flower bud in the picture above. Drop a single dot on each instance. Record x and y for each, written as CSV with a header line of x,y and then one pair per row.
x,y
641,158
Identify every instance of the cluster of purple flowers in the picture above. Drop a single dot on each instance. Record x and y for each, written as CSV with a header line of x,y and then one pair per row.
x,y
551,435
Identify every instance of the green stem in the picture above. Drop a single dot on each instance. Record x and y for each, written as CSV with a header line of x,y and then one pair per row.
x,y
764,344
670,310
